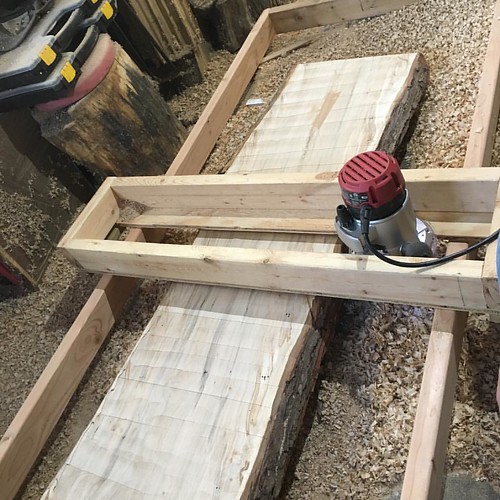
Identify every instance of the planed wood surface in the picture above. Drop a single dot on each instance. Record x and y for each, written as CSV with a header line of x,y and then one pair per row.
x,y
96,216
490,271
112,293
200,142
210,400
27,434
300,203
470,230
468,191
109,297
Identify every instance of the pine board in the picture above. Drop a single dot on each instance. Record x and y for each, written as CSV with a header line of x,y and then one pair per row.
x,y
191,413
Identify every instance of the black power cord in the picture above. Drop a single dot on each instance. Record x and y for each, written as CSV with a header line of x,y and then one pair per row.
x,y
365,229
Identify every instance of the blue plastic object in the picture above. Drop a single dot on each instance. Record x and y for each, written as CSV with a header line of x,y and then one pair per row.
x,y
498,264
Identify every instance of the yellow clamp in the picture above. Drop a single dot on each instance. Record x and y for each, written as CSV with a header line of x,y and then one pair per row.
x,y
107,10
48,55
68,72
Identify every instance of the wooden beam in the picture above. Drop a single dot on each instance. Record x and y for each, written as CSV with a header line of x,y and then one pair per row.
x,y
465,230
282,203
312,13
205,133
455,285
424,470
470,191
485,118
471,230
97,216
250,224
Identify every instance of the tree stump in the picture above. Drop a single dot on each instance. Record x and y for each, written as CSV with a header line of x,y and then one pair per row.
x,y
122,127
226,23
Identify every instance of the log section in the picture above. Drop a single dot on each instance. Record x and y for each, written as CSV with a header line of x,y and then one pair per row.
x,y
123,127
166,36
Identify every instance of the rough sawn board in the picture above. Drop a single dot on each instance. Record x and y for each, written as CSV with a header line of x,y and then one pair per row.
x,y
210,400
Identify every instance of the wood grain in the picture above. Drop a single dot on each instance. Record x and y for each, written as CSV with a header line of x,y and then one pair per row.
x,y
173,27
200,407
301,203
456,285
432,190
168,38
472,230
112,292
490,270
205,133
46,402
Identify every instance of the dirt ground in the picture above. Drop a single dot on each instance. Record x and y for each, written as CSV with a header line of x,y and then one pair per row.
x,y
356,435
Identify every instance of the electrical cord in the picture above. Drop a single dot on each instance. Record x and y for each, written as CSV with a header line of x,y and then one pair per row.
x,y
365,229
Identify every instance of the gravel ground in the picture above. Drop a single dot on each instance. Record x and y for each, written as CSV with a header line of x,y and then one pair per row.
x,y
357,433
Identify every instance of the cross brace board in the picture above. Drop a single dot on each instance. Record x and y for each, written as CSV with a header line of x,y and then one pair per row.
x,y
289,203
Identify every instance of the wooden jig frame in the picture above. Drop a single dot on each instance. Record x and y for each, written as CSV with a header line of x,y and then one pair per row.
x,y
31,427
462,201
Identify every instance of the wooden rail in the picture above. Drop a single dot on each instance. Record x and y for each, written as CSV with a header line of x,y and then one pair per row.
x,y
426,458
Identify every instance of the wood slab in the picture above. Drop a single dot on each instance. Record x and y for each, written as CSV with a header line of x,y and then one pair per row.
x,y
211,399
36,207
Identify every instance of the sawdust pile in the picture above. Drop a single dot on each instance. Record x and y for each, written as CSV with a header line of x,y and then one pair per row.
x,y
360,424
